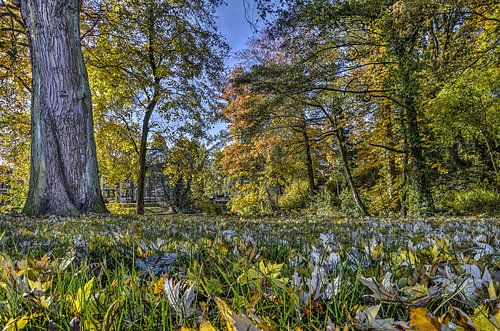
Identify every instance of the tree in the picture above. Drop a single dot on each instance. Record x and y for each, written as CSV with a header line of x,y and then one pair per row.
x,y
185,165
117,146
302,101
251,112
466,111
407,48
273,148
64,176
160,57
14,107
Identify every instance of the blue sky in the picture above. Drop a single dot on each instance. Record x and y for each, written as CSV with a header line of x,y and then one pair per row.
x,y
234,26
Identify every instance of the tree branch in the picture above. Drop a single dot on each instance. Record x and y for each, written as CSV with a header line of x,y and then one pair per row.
x,y
392,149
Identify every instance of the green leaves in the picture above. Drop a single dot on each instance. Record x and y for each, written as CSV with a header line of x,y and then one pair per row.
x,y
253,273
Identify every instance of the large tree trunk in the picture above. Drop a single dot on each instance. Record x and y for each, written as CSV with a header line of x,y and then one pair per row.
x,y
419,173
64,178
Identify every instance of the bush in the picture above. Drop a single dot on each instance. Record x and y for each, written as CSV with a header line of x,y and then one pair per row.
x,y
325,203
210,207
467,202
348,206
118,208
13,201
296,197
246,204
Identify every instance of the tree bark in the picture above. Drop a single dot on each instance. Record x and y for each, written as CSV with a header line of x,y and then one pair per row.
x,y
333,119
272,203
391,162
348,175
64,176
419,173
455,162
143,149
309,163
406,170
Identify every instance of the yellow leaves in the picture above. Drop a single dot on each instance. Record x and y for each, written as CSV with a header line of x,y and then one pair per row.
x,y
376,251
481,320
233,321
21,267
225,312
223,249
43,263
420,319
44,302
416,292
440,168
81,298
115,283
39,285
409,256
6,268
207,326
263,272
204,326
463,320
249,276
272,270
492,293
158,286
143,253
15,324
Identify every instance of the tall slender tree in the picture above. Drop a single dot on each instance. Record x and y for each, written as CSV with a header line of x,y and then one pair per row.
x,y
159,57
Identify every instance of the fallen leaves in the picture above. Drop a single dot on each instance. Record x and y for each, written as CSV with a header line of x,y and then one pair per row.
x,y
234,321
420,319
250,275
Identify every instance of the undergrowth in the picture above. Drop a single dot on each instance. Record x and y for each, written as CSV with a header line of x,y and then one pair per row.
x,y
170,272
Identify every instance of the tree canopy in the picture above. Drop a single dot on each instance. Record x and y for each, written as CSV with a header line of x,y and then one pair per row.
x,y
342,107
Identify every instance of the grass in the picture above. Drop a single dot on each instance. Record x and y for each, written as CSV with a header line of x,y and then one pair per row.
x,y
199,272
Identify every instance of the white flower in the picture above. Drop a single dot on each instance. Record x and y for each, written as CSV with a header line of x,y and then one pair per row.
x,y
333,259
183,305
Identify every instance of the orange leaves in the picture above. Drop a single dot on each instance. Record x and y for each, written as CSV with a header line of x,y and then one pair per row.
x,y
420,319
455,319
238,161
